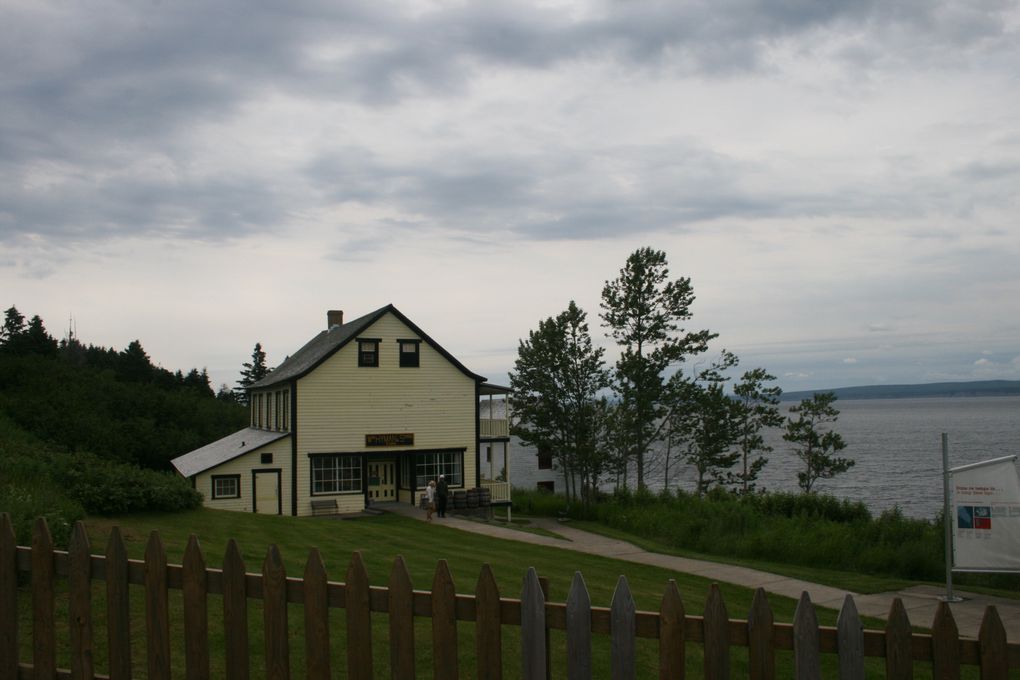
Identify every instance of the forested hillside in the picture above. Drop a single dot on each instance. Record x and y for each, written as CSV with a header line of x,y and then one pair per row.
x,y
115,404
86,429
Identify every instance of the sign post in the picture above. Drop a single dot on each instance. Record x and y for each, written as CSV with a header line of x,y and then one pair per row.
x,y
948,519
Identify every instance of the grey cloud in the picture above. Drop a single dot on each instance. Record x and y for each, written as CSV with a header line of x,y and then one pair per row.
x,y
84,83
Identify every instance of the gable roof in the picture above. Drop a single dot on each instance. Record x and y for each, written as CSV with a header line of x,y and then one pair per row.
x,y
223,450
330,341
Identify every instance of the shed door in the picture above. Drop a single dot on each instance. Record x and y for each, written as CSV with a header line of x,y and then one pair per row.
x,y
267,492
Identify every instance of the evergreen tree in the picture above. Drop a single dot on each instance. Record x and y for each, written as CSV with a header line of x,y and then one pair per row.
x,y
757,407
133,363
251,372
814,442
645,313
558,374
13,329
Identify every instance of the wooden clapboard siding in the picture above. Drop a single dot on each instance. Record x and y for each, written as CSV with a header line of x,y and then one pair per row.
x,y
340,402
243,466
903,652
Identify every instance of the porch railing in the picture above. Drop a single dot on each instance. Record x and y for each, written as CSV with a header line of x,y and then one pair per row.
x,y
494,427
499,491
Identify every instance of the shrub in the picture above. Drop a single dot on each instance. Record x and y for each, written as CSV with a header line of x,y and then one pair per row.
x,y
105,487
27,499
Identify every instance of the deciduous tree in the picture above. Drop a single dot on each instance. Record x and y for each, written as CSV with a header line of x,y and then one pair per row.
x,y
556,380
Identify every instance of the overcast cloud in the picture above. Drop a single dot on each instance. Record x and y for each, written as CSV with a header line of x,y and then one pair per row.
x,y
839,179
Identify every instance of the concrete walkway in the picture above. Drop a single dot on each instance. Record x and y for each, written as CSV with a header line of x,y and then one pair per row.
x,y
919,601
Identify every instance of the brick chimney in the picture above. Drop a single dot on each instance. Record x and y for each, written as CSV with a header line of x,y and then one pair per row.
x,y
334,317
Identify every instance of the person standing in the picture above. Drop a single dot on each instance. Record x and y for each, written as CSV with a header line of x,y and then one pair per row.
x,y
430,500
442,493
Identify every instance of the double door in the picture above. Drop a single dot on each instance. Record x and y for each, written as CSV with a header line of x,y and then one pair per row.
x,y
382,481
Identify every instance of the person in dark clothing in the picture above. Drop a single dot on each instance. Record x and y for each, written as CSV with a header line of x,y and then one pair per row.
x,y
442,492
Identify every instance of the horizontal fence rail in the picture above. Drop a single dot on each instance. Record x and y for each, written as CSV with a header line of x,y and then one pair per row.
x,y
486,610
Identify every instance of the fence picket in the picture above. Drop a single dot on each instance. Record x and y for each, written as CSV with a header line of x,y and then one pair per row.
x,y
761,651
8,598
533,650
118,607
671,634
899,664
274,615
316,600
196,612
534,613
807,662
544,582
488,629
359,620
79,585
945,645
992,638
235,614
444,624
578,630
716,635
401,611
623,630
44,636
850,641
157,609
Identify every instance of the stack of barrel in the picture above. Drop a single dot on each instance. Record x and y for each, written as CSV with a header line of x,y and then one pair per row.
x,y
479,497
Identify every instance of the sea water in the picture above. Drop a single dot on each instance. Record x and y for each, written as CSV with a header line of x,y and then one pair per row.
x,y
897,448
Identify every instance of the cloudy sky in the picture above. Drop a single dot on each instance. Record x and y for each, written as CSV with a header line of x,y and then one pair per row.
x,y
839,179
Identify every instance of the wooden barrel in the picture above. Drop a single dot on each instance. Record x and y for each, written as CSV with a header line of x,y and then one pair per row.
x,y
472,498
460,499
484,496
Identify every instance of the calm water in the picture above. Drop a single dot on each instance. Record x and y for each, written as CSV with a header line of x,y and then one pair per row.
x,y
898,449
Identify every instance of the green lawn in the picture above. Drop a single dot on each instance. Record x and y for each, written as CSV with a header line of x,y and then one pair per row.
x,y
380,539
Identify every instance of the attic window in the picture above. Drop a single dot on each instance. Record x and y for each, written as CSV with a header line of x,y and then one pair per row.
x,y
409,355
368,352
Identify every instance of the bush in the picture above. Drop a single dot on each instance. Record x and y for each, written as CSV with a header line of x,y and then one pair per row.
x,y
541,503
104,487
25,500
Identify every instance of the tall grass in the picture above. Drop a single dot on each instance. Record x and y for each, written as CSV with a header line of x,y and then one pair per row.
x,y
808,530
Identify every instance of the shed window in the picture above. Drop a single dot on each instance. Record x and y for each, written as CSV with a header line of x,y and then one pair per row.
x,y
430,465
544,460
226,486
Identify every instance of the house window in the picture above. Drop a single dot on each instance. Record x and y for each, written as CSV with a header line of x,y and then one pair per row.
x,y
544,460
409,353
286,410
336,473
547,487
226,486
429,466
277,415
267,458
368,352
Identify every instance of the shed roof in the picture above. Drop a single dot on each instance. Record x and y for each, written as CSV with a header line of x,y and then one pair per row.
x,y
222,450
328,342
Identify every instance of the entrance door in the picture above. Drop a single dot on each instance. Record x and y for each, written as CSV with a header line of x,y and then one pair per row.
x,y
267,492
382,481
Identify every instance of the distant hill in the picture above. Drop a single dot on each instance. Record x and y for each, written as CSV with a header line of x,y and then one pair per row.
x,y
974,388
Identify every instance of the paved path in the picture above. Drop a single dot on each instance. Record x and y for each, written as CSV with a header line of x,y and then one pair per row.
x,y
920,601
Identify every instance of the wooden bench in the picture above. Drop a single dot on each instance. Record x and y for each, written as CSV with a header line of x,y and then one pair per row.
x,y
326,504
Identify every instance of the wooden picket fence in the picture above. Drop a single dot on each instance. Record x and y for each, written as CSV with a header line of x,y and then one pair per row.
x,y
486,610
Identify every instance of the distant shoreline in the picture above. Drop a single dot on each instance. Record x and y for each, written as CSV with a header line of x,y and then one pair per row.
x,y
973,388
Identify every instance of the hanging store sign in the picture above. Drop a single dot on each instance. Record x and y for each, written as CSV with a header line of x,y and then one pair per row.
x,y
401,439
986,516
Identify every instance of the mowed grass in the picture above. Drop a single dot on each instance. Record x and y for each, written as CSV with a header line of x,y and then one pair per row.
x,y
380,539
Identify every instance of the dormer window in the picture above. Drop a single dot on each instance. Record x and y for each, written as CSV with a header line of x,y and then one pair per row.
x,y
409,356
368,352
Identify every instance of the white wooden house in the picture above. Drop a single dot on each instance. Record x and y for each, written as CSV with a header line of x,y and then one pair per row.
x,y
366,412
